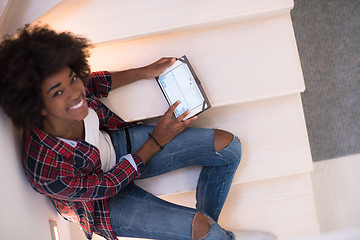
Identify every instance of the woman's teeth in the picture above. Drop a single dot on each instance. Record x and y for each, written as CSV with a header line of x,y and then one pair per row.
x,y
77,105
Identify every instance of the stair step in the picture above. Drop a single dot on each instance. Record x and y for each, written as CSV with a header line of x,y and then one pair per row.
x,y
284,206
274,143
119,20
227,60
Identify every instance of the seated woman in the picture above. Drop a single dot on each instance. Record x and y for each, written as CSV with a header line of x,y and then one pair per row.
x,y
84,157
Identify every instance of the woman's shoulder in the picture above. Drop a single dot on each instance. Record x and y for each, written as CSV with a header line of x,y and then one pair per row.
x,y
42,146
38,144
99,83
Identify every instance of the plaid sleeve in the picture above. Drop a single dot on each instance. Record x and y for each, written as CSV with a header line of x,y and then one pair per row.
x,y
61,180
139,163
100,83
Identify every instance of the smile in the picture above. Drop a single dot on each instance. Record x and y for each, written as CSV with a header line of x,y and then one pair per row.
x,y
77,105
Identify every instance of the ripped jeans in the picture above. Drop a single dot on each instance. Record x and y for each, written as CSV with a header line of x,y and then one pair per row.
x,y
137,213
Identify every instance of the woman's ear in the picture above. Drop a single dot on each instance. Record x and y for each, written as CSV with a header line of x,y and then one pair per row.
x,y
43,112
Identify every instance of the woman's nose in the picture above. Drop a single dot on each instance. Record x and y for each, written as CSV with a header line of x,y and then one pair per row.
x,y
74,93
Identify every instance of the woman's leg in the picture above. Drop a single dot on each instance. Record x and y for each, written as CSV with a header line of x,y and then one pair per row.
x,y
194,147
217,151
137,213
215,181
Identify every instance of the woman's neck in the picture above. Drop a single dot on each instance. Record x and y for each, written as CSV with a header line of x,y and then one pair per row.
x,y
70,130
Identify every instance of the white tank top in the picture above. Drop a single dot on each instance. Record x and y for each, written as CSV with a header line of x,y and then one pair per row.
x,y
99,139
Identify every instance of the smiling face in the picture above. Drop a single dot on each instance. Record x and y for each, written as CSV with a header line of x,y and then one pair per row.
x,y
64,100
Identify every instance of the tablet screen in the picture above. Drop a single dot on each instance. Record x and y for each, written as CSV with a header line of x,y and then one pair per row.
x,y
178,84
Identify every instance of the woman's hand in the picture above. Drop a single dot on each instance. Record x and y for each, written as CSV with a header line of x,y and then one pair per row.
x,y
168,128
122,78
164,132
155,69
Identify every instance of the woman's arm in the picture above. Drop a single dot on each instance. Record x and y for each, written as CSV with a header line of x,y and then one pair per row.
x,y
151,71
58,177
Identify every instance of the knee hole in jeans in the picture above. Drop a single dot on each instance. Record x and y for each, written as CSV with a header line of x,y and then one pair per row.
x,y
222,139
200,226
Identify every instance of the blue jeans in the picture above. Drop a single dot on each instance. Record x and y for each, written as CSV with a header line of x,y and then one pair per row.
x,y
137,213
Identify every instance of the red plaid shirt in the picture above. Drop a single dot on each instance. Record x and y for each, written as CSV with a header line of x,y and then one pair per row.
x,y
72,177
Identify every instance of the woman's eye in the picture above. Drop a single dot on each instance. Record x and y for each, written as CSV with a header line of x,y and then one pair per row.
x,y
58,93
73,79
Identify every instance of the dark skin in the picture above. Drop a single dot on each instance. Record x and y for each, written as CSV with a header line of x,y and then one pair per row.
x,y
64,97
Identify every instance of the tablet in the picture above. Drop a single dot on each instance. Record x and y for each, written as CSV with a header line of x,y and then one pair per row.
x,y
179,82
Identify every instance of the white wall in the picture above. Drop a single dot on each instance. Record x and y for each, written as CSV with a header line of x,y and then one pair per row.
x,y
25,214
15,13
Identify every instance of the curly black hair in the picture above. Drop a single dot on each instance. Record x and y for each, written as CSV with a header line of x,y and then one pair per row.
x,y
29,57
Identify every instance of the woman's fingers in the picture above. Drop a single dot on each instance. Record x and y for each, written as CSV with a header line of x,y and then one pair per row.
x,y
167,60
185,123
181,118
172,108
167,128
158,67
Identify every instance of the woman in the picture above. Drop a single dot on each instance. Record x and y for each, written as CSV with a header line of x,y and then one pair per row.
x,y
85,158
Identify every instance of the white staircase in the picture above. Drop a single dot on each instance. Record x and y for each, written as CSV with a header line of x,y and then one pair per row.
x,y
245,53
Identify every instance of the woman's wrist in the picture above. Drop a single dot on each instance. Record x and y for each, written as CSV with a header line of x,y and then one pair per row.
x,y
142,73
157,143
147,150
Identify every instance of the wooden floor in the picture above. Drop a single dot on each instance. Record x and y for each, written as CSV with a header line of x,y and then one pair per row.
x,y
337,193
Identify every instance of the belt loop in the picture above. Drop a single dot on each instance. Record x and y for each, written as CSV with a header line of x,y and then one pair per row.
x,y
128,142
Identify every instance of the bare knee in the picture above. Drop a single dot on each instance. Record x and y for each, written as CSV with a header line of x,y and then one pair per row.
x,y
201,226
222,139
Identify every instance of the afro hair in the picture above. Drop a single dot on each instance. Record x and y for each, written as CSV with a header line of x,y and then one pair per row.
x,y
28,58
